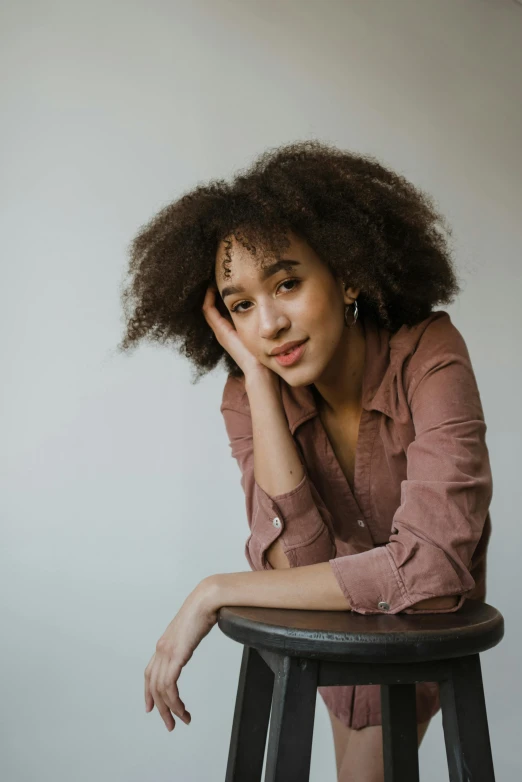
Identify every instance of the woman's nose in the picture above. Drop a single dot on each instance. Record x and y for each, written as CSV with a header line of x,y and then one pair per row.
x,y
271,323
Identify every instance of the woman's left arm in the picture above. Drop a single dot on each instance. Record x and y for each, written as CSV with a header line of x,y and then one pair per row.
x,y
310,587
446,495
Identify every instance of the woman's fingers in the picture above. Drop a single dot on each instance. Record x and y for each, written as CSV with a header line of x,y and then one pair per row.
x,y
149,700
161,689
167,683
161,706
219,325
171,692
224,331
226,334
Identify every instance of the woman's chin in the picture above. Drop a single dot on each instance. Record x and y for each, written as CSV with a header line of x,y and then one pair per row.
x,y
301,377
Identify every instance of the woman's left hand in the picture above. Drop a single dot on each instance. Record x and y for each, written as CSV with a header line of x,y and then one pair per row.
x,y
192,623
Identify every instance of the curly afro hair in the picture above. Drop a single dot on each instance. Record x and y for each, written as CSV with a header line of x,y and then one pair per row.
x,y
372,227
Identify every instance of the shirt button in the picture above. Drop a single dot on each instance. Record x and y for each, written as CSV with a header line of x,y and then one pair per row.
x,y
360,522
384,606
276,522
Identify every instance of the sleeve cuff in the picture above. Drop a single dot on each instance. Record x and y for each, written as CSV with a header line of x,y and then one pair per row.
x,y
371,584
295,517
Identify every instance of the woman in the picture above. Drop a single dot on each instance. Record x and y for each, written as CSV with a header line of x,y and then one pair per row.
x,y
350,404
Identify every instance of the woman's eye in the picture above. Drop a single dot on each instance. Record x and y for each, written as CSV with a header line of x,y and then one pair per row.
x,y
285,282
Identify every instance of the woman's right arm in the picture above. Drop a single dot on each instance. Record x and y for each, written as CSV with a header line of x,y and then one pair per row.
x,y
286,514
270,431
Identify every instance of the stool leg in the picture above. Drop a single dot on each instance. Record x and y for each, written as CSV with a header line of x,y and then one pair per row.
x,y
399,733
251,718
292,721
465,722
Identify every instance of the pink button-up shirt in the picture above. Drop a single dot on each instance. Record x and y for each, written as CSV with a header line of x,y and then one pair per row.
x,y
417,524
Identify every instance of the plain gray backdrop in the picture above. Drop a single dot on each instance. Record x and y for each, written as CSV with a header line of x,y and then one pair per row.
x,y
118,491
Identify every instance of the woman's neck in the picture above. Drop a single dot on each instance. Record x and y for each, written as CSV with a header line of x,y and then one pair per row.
x,y
339,390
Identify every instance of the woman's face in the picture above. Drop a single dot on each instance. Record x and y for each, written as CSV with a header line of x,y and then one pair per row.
x,y
300,302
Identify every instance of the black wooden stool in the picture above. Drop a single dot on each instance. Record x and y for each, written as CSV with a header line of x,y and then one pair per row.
x,y
289,653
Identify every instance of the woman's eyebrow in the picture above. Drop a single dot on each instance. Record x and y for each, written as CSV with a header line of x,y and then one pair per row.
x,y
287,264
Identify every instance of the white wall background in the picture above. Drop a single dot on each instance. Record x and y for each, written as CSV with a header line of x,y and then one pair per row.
x,y
118,492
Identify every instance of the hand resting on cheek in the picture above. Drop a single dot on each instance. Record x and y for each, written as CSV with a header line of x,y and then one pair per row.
x,y
227,336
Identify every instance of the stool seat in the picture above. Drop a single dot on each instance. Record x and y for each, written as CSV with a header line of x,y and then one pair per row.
x,y
345,636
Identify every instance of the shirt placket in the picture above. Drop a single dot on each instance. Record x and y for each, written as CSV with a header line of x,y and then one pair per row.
x,y
368,428
356,503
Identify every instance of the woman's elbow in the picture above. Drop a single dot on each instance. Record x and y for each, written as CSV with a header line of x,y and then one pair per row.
x,y
276,556
448,601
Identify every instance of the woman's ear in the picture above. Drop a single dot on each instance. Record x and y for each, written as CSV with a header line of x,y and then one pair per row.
x,y
352,292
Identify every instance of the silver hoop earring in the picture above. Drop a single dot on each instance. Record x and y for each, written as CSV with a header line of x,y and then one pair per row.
x,y
355,313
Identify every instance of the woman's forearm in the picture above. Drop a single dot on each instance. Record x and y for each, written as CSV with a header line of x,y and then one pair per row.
x,y
277,466
311,587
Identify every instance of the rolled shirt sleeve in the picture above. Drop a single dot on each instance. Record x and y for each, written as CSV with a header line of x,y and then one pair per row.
x,y
298,516
444,500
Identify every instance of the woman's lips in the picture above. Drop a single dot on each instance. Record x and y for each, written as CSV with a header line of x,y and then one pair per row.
x,y
286,359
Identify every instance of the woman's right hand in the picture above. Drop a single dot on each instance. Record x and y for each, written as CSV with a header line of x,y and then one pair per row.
x,y
228,337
